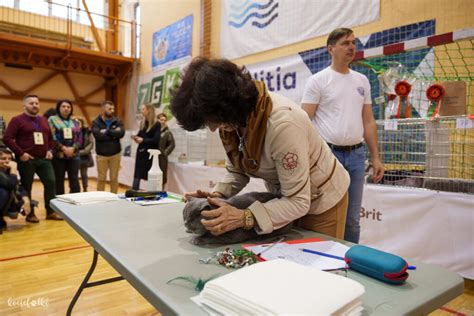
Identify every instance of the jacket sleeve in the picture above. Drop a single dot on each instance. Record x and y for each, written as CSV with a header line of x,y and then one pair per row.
x,y
10,136
170,144
8,181
155,139
53,139
292,161
89,145
234,181
77,135
50,140
114,134
102,137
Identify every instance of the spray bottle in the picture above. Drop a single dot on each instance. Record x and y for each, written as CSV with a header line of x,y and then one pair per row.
x,y
155,176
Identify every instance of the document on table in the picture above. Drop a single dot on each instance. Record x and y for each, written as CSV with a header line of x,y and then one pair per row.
x,y
292,252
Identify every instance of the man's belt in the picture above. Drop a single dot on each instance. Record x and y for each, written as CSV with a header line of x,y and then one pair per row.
x,y
345,148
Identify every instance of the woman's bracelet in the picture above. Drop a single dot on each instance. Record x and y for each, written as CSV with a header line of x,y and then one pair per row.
x,y
248,220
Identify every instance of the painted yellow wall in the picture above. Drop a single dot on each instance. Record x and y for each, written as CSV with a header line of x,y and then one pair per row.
x,y
450,15
56,88
157,14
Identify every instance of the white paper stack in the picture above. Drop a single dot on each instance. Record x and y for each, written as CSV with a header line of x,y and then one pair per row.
x,y
281,287
88,197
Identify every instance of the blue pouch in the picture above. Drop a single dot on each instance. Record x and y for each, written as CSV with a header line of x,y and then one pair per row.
x,y
377,264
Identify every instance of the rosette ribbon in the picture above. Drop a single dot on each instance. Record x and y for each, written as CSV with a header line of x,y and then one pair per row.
x,y
434,93
402,89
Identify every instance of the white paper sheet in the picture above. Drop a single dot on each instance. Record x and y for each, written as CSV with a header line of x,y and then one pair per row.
x,y
292,252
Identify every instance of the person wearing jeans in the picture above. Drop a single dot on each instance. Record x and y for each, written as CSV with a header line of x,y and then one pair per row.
x,y
108,130
338,101
354,162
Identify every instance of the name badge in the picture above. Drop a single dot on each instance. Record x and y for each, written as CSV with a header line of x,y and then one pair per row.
x,y
67,131
38,137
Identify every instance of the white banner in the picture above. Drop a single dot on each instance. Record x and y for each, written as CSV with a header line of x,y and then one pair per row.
x,y
249,27
286,76
429,226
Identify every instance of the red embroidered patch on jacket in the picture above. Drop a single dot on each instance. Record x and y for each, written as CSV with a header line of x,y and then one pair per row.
x,y
290,161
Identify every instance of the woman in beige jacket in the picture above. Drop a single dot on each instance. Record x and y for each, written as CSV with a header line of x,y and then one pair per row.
x,y
266,136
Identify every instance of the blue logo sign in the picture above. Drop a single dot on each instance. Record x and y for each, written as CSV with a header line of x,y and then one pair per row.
x,y
241,13
361,91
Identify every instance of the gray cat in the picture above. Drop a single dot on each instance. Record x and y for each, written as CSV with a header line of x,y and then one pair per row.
x,y
192,220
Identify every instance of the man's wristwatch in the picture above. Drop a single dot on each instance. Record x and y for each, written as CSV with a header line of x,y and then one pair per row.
x,y
248,220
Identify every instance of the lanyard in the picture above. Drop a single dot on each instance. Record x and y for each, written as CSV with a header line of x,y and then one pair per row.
x,y
68,123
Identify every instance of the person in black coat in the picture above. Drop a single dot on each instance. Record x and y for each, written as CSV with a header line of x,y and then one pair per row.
x,y
148,137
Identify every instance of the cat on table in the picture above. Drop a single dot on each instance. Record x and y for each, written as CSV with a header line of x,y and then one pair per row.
x,y
192,220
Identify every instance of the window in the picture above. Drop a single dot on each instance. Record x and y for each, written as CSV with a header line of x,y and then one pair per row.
x,y
7,3
35,6
137,30
97,10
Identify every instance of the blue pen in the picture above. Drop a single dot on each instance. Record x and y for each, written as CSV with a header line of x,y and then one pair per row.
x,y
314,252
411,268
143,198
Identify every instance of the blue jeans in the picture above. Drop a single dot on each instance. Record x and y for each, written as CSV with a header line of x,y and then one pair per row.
x,y
353,161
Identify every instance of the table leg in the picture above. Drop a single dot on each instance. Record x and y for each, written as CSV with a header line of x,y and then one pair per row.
x,y
85,283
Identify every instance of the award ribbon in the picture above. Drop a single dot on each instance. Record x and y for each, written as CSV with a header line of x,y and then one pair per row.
x,y
402,89
434,93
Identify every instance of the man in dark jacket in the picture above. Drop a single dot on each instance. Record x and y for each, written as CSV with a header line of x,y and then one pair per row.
x,y
12,199
108,130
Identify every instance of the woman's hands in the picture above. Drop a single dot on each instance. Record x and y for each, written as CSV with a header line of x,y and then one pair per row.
x,y
201,194
137,139
223,219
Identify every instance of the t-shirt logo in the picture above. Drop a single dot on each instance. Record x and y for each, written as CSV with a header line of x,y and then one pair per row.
x,y
361,91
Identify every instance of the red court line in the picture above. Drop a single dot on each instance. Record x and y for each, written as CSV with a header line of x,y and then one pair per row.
x,y
452,311
44,253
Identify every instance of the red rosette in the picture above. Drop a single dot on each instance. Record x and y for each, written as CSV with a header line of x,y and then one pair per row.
x,y
402,88
435,92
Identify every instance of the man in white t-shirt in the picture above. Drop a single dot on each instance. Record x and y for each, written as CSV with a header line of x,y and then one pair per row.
x,y
338,101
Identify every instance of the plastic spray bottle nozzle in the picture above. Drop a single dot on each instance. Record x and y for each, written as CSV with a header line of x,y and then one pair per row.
x,y
154,153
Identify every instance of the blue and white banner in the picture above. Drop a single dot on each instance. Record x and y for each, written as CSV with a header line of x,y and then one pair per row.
x,y
288,75
249,27
173,42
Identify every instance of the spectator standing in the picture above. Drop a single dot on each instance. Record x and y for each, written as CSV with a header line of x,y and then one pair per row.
x,y
108,130
28,135
85,153
166,146
67,138
338,101
148,137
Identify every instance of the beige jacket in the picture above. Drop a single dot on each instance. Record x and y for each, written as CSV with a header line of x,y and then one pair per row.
x,y
295,163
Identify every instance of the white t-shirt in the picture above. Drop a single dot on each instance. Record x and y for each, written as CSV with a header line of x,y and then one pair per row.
x,y
341,98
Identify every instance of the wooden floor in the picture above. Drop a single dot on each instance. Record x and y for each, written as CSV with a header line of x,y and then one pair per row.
x,y
42,265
